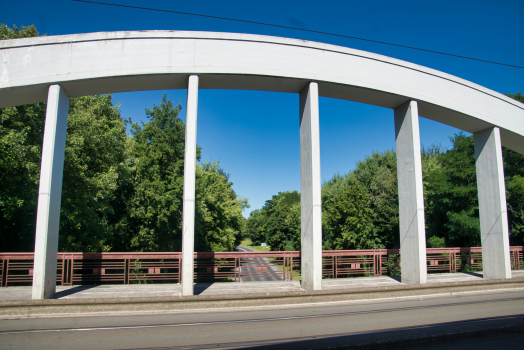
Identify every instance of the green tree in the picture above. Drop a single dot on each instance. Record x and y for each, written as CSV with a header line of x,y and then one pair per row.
x,y
220,223
281,230
15,33
452,208
378,175
153,217
94,170
95,147
348,221
277,223
21,135
254,228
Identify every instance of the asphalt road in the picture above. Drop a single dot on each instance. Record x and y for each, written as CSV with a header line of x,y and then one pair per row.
x,y
272,273
334,325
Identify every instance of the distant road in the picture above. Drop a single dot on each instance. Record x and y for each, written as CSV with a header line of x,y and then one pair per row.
x,y
275,276
481,319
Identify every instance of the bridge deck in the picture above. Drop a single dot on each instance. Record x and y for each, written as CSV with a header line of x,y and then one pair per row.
x,y
230,288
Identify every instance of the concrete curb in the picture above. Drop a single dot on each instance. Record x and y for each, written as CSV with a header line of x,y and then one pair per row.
x,y
57,307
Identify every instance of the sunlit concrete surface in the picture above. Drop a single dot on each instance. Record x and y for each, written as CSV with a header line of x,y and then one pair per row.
x,y
188,216
219,289
310,189
50,193
95,63
493,212
410,194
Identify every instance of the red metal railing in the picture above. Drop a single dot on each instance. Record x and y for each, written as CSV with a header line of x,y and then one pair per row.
x,y
95,268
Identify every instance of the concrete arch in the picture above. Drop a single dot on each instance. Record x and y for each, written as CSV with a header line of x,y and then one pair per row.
x,y
58,67
86,64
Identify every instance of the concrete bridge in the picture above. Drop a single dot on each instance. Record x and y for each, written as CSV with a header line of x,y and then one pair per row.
x,y
55,68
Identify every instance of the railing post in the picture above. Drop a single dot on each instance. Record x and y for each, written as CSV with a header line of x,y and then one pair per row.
x,y
188,221
49,194
335,266
290,265
126,271
284,267
492,204
63,271
2,278
310,184
410,195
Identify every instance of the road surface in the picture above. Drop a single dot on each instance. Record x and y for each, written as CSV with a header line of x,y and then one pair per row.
x,y
273,273
396,321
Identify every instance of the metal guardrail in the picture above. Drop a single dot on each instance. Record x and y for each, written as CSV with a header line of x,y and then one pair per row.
x,y
97,268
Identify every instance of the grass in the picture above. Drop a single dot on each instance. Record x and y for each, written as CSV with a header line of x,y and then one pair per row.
x,y
248,243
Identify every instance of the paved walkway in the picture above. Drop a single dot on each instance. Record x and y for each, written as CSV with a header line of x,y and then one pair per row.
x,y
232,288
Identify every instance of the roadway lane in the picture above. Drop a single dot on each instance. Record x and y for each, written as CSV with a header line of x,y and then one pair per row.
x,y
319,325
273,273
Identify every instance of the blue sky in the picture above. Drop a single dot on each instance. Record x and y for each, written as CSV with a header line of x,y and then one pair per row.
x,y
255,135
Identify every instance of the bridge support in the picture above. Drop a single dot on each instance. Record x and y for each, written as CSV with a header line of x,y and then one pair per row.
x,y
49,194
410,195
492,204
188,218
310,186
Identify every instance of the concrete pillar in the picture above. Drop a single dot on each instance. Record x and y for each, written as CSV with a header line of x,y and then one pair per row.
x,y
492,204
310,185
188,220
49,194
410,195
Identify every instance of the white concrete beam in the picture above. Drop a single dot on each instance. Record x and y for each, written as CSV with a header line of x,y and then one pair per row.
x,y
188,221
310,186
410,195
49,194
492,204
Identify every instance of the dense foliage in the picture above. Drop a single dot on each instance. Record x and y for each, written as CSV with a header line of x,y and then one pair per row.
x,y
277,223
120,193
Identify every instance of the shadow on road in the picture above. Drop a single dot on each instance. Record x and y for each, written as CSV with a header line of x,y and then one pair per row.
x,y
396,278
199,288
476,274
73,290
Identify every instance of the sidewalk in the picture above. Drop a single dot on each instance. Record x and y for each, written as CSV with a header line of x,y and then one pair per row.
x,y
166,297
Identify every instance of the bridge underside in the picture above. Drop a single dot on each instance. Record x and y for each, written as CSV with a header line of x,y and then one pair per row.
x,y
38,93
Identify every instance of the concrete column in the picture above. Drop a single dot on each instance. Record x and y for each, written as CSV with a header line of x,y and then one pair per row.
x,y
311,209
188,221
492,204
49,194
410,195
